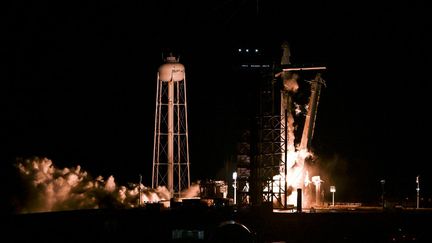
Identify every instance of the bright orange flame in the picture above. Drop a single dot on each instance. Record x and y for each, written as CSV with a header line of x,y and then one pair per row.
x,y
297,176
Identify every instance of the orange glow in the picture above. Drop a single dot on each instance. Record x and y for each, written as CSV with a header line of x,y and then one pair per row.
x,y
297,177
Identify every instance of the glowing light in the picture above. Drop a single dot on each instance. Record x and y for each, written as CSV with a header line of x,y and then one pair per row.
x,y
234,175
297,176
307,180
332,189
297,109
316,180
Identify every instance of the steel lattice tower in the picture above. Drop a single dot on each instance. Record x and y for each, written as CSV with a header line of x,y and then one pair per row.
x,y
171,148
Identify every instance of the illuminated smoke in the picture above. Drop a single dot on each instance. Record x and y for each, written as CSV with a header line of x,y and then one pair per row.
x,y
54,189
297,177
192,191
297,109
296,172
290,81
291,137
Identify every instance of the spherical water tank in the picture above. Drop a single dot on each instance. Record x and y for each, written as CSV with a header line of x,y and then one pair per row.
x,y
171,71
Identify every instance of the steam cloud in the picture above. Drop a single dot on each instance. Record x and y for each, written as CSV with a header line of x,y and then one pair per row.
x,y
55,189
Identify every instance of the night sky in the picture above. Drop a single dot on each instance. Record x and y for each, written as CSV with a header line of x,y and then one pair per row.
x,y
78,83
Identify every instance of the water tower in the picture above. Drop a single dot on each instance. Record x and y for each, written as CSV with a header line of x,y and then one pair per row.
x,y
171,148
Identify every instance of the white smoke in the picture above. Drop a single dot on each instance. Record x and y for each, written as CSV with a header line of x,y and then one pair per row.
x,y
54,189
192,191
290,81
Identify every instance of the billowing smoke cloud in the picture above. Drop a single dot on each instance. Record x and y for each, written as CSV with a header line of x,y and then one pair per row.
x,y
192,191
290,81
54,189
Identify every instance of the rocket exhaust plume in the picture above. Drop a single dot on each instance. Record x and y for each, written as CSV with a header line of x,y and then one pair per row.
x,y
54,189
293,172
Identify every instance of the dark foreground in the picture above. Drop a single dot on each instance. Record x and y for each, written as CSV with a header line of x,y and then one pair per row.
x,y
204,224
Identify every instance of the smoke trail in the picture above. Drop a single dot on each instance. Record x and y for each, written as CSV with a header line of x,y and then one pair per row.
x,y
53,189
290,86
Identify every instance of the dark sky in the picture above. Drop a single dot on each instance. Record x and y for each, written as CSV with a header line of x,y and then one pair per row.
x,y
78,82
